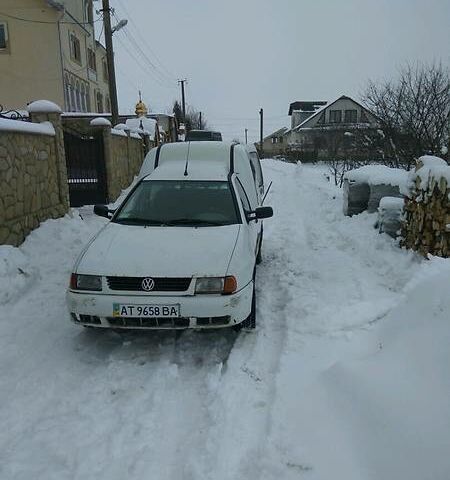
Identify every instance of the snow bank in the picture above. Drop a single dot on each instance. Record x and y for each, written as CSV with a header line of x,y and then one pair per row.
x,y
43,106
44,128
15,273
21,267
378,175
375,406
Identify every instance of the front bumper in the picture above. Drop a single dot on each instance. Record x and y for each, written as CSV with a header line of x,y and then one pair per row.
x,y
196,311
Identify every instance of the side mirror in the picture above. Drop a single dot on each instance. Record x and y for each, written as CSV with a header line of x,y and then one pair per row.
x,y
263,212
103,211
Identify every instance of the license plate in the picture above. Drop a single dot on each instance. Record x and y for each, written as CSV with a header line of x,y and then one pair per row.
x,y
145,311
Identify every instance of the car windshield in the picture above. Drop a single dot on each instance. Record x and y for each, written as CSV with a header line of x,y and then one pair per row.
x,y
179,203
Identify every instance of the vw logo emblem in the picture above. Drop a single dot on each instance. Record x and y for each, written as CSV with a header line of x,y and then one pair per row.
x,y
148,284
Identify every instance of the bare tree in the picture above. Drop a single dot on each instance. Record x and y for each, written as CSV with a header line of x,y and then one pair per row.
x,y
192,120
413,111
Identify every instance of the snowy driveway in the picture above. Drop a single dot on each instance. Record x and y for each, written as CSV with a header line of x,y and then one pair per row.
x,y
278,403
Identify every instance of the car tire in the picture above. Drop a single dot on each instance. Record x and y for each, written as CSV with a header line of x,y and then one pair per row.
x,y
250,322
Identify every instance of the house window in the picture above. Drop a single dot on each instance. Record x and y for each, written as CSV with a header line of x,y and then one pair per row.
x,y
78,96
274,139
351,116
3,36
280,139
67,93
72,98
105,70
75,48
89,12
335,116
99,102
92,64
83,98
107,104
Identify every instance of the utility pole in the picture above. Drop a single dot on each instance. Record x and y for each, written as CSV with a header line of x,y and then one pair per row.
x,y
110,60
183,100
246,131
261,123
200,121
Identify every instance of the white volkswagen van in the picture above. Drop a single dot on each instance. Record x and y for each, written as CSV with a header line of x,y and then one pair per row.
x,y
181,250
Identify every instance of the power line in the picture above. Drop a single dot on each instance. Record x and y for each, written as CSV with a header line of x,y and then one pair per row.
x,y
144,40
145,69
46,22
134,43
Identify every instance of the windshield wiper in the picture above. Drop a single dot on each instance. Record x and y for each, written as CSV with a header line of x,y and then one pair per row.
x,y
138,221
194,222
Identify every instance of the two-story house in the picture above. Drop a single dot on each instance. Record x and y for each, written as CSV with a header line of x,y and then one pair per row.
x,y
48,51
323,131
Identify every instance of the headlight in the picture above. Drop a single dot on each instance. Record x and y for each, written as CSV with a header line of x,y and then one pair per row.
x,y
86,282
222,285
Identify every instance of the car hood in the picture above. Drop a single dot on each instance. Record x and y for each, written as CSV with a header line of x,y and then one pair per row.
x,y
128,250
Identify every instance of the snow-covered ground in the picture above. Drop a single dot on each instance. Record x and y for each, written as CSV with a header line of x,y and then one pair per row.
x,y
346,377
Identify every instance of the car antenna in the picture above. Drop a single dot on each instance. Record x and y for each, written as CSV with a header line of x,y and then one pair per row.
x,y
267,191
187,160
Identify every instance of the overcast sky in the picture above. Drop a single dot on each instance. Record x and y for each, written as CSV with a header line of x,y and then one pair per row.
x,y
240,55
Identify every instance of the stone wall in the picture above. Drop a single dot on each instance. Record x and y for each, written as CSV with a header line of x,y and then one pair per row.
x,y
124,154
33,178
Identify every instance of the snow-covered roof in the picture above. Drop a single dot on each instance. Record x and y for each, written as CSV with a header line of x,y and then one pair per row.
x,y
281,131
324,107
207,160
378,175
142,124
19,126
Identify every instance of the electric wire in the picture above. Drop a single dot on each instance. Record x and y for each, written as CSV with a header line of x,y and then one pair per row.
x,y
144,40
47,22
137,48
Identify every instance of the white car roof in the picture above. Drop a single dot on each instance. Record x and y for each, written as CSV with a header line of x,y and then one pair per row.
x,y
205,161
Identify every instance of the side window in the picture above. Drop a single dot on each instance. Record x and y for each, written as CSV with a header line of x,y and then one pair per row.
x,y
243,196
257,168
4,44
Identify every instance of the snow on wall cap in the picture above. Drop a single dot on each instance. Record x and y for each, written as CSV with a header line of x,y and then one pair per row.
x,y
43,106
100,122
122,126
378,175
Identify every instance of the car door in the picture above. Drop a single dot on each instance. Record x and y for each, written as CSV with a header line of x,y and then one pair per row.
x,y
252,227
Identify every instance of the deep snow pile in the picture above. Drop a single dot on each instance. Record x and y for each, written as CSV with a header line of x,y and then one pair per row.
x,y
345,377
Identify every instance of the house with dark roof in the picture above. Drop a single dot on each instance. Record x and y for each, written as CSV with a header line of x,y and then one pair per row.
x,y
325,131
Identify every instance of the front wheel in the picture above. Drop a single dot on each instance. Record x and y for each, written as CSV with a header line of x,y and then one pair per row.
x,y
250,322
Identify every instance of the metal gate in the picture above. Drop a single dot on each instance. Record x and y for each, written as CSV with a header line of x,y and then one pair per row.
x,y
85,169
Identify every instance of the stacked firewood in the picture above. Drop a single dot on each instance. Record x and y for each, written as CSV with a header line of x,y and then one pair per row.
x,y
427,212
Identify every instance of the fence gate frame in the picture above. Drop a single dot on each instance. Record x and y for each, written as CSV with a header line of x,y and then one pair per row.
x,y
86,168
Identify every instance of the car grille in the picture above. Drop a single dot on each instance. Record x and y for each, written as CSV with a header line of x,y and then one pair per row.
x,y
171,322
139,322
162,284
